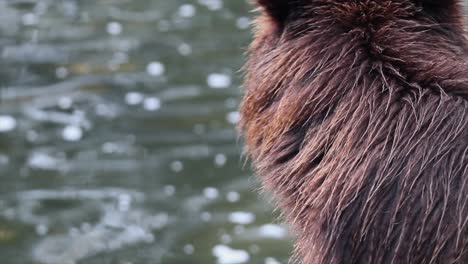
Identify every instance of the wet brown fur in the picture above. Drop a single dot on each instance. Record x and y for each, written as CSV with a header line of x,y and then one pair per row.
x,y
356,118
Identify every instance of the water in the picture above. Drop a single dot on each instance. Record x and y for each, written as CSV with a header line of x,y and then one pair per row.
x,y
117,140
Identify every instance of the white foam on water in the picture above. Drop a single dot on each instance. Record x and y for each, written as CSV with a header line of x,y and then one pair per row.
x,y
233,197
155,68
124,202
4,160
273,231
243,22
211,193
206,216
72,133
184,49
114,28
42,229
177,166
189,249
152,104
7,123
169,190
271,260
65,102
219,80
114,230
30,19
61,72
44,161
212,5
241,218
187,10
220,160
134,98
233,117
227,255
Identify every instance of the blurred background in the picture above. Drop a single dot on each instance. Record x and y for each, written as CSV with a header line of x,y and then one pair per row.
x,y
117,138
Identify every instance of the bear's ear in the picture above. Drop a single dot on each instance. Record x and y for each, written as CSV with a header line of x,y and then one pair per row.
x,y
276,9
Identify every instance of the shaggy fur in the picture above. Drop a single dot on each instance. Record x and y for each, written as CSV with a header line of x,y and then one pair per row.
x,y
356,118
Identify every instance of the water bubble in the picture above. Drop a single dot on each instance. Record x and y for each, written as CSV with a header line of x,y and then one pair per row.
x,y
44,161
30,19
72,133
105,110
160,221
227,255
110,147
211,193
61,72
273,231
187,10
137,232
242,218
271,260
206,216
152,104
243,22
254,249
220,160
212,4
7,123
189,249
42,230
169,190
65,102
233,117
239,229
134,98
124,202
219,80
184,49
155,68
233,197
226,239
114,28
177,166
4,160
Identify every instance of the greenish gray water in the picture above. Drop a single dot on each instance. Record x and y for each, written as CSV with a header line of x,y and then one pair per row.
x,y
117,140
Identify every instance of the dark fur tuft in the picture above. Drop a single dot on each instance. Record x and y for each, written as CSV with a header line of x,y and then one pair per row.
x,y
356,117
277,9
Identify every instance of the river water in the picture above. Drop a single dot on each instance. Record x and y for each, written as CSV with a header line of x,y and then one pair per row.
x,y
117,139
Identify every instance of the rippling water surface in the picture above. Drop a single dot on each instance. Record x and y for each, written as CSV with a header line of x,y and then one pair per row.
x,y
117,140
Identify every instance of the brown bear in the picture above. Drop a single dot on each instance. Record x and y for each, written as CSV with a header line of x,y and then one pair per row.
x,y
356,117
